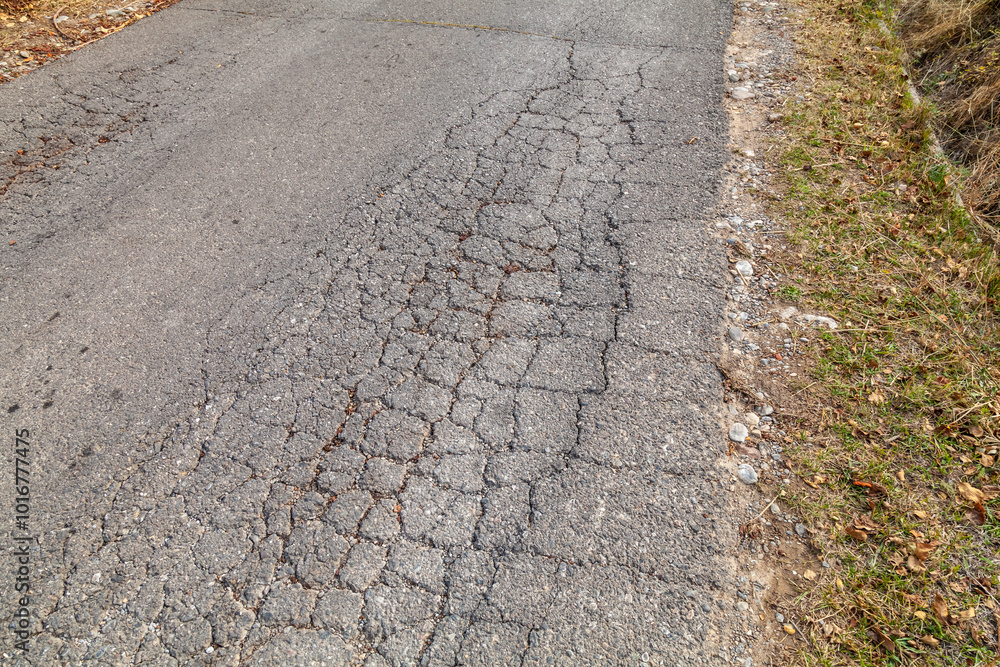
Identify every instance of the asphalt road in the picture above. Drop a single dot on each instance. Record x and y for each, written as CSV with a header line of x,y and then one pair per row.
x,y
372,332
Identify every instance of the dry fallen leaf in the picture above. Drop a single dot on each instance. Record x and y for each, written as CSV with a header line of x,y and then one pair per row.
x,y
940,608
876,397
789,629
920,514
976,431
809,574
930,641
884,640
967,614
859,535
901,475
815,481
920,614
972,494
923,549
978,514
987,461
840,585
914,565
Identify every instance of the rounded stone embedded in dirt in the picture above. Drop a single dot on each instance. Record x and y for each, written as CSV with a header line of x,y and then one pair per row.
x,y
738,432
736,334
744,268
746,473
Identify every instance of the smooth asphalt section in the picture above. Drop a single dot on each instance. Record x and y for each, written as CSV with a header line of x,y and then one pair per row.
x,y
370,333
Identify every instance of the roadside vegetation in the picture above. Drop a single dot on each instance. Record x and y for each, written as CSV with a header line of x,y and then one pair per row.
x,y
897,454
955,49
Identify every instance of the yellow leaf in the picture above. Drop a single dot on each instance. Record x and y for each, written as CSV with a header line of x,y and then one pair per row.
x,y
809,574
967,614
789,629
876,397
920,614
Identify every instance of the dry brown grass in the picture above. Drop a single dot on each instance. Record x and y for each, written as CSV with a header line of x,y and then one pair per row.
x,y
956,49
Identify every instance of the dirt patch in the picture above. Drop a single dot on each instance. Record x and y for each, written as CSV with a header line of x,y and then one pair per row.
x,y
33,34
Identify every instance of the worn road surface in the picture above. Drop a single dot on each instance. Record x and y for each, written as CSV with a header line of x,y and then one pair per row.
x,y
369,333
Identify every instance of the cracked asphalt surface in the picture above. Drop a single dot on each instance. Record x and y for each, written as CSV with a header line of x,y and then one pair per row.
x,y
371,333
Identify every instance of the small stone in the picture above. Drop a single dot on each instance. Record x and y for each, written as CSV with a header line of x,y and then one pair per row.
x,y
789,629
820,320
24,54
744,268
801,530
747,474
741,94
115,12
742,606
765,410
788,313
738,432
779,617
749,152
736,334
751,418
775,508
775,117
734,76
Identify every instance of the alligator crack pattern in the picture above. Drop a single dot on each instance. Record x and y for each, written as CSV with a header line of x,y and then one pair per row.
x,y
454,436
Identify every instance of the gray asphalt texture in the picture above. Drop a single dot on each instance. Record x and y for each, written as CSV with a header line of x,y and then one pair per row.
x,y
347,337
